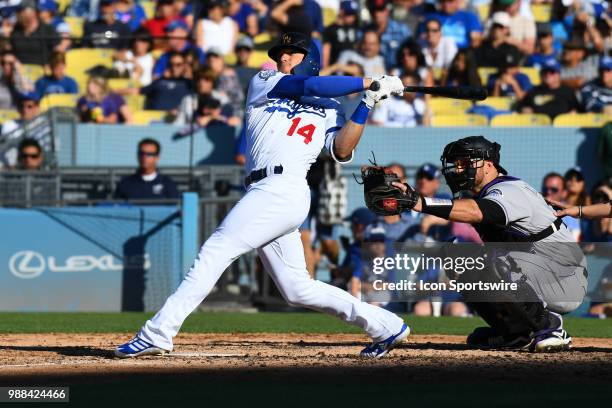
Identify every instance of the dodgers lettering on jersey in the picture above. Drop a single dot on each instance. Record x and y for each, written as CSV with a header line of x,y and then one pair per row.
x,y
526,212
287,132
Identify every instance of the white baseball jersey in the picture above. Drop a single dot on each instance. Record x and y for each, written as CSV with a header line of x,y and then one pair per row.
x,y
288,132
279,132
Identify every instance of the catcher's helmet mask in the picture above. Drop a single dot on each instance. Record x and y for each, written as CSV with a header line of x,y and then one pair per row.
x,y
468,155
298,42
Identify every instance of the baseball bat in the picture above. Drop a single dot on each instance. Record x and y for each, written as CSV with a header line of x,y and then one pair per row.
x,y
477,93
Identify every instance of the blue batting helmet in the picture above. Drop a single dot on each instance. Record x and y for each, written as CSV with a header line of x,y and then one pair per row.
x,y
311,63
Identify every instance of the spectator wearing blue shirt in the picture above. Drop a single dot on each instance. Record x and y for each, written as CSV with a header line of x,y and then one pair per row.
x,y
509,81
461,25
147,183
178,41
245,16
544,47
392,33
130,13
58,82
166,93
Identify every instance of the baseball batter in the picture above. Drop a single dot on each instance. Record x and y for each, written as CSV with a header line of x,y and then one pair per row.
x,y
290,117
543,259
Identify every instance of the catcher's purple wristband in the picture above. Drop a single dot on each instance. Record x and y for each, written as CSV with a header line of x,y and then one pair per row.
x,y
360,116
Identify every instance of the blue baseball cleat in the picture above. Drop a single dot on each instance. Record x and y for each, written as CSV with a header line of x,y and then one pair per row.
x,y
380,348
138,347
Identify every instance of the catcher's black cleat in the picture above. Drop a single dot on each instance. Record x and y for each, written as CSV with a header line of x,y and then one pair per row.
x,y
489,338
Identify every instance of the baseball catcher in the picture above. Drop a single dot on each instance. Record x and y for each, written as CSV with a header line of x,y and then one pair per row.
x,y
550,273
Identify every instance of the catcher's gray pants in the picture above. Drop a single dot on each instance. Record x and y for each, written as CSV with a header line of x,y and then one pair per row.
x,y
561,287
266,219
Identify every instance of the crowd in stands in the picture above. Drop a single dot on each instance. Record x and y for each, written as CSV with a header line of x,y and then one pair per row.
x,y
536,56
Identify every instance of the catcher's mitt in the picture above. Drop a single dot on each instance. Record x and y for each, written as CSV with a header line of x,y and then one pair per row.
x,y
381,196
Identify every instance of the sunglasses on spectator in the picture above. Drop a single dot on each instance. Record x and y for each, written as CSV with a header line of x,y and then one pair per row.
x,y
432,30
177,64
553,190
147,154
29,155
7,62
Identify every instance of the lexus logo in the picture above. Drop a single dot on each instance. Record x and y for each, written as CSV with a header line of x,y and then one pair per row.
x,y
27,264
30,264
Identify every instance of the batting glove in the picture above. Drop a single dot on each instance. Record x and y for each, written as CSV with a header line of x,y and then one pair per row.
x,y
371,98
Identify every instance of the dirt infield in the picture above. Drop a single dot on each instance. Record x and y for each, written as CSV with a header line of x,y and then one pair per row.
x,y
225,360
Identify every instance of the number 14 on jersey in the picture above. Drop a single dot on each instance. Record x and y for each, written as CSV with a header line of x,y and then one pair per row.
x,y
305,131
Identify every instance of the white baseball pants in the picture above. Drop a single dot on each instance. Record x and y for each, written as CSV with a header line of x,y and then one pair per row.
x,y
266,218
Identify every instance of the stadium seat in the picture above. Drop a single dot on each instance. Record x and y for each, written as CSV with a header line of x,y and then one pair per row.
x,y
329,16
458,120
257,58
85,58
8,114
484,72
262,38
541,12
62,5
149,8
122,83
520,119
483,11
594,120
498,102
445,106
533,74
146,117
135,102
53,100
76,25
32,72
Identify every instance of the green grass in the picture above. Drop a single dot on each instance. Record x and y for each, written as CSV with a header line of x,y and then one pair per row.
x,y
234,322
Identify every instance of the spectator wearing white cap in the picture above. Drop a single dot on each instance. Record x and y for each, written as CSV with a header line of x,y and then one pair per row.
x,y
217,30
494,49
522,29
